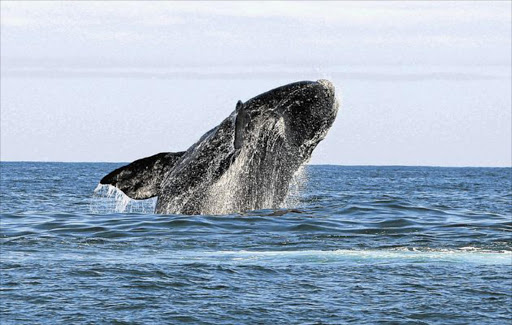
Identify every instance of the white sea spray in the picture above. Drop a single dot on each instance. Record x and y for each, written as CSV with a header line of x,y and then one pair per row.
x,y
243,188
296,188
109,199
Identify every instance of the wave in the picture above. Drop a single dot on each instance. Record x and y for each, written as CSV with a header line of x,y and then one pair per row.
x,y
407,255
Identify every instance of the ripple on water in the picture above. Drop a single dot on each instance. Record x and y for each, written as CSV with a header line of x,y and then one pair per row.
x,y
363,245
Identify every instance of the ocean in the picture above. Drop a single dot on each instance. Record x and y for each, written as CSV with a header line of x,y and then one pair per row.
x,y
361,245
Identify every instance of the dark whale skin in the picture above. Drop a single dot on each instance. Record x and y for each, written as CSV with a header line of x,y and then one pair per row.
x,y
245,163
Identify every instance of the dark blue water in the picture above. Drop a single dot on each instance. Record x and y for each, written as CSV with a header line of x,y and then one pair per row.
x,y
409,245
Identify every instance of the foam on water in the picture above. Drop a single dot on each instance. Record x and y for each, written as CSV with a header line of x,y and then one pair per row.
x,y
309,257
406,255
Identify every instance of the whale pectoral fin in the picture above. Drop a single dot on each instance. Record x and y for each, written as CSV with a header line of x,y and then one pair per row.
x,y
142,178
241,121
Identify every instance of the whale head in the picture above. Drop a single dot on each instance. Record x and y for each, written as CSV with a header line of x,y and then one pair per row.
x,y
298,114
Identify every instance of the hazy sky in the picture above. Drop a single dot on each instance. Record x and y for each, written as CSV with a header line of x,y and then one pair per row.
x,y
421,83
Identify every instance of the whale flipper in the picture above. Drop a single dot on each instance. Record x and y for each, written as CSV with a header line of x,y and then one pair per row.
x,y
241,121
142,178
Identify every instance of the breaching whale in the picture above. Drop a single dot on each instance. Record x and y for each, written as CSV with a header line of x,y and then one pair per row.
x,y
245,163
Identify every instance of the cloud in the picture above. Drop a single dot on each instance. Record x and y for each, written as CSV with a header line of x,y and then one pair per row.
x,y
208,72
384,32
376,13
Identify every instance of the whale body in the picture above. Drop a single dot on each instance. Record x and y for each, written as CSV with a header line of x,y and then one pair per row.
x,y
245,163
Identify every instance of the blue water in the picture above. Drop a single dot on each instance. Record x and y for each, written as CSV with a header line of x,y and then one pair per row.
x,y
364,245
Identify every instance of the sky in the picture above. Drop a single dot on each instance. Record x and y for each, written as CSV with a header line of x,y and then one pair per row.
x,y
420,83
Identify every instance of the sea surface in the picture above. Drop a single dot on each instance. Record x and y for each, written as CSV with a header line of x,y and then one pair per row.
x,y
361,245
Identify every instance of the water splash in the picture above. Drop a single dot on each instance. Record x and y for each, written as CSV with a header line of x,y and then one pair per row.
x,y
109,199
255,180
296,188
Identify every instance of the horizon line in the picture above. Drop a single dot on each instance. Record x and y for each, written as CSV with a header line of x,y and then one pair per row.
x,y
324,164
